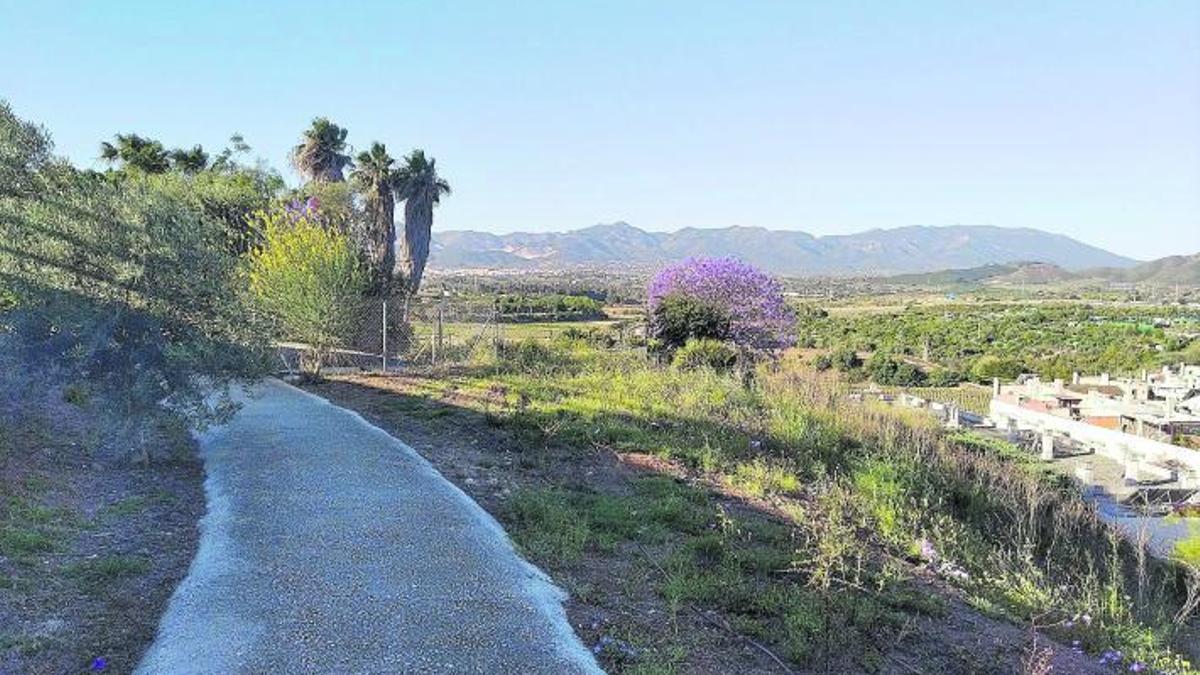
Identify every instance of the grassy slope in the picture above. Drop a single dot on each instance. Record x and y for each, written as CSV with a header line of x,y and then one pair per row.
x,y
819,530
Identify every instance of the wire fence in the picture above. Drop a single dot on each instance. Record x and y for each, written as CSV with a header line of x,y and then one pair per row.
x,y
392,334
398,334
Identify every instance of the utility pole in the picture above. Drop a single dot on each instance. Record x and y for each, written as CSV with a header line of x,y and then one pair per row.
x,y
384,337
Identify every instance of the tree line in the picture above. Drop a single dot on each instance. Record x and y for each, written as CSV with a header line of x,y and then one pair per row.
x,y
362,207
945,344
167,275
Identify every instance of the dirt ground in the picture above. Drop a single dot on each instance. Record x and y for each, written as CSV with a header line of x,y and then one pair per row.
x,y
613,594
90,550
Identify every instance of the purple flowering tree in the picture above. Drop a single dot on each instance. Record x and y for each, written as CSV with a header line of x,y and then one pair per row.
x,y
309,208
750,300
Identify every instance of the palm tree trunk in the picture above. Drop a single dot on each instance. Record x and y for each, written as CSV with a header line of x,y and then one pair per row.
x,y
414,250
387,233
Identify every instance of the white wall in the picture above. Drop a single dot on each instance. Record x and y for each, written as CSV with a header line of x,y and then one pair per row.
x,y
1119,446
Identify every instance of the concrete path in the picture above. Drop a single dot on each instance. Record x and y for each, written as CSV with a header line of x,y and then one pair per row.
x,y
331,547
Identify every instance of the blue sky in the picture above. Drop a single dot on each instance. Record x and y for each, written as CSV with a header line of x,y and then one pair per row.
x,y
831,117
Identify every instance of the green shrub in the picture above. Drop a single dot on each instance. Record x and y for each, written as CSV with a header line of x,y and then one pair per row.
x,y
889,371
679,318
309,280
705,353
944,377
846,359
823,362
119,283
991,366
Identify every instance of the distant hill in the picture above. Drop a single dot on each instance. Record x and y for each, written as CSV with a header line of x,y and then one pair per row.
x,y
1009,273
875,252
1176,269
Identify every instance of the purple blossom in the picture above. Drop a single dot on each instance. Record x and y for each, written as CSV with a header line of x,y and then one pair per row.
x,y
759,318
1111,657
99,663
309,208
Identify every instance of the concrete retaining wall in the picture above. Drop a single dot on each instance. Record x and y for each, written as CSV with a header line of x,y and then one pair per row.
x,y
1119,446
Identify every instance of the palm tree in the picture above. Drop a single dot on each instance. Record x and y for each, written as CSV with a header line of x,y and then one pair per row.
x,y
375,175
189,161
321,153
418,184
136,152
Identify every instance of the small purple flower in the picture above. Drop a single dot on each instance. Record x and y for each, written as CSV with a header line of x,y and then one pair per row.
x,y
309,208
1086,619
927,551
1137,667
99,663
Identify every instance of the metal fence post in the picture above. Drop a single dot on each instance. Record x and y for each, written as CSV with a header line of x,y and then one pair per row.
x,y
441,317
496,329
385,337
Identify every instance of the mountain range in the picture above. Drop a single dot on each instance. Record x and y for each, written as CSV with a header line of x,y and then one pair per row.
x,y
900,250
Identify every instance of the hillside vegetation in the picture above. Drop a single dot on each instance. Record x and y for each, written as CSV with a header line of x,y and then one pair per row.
x,y
979,341
849,520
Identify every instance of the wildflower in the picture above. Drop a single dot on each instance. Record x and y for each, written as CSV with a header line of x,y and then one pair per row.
x,y
1086,619
99,663
952,571
928,552
1137,667
601,644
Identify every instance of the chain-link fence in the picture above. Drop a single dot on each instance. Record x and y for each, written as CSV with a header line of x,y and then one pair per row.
x,y
398,333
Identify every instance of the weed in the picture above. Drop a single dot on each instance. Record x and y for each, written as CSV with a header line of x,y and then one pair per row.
x,y
97,574
125,507
20,541
759,478
76,395
544,524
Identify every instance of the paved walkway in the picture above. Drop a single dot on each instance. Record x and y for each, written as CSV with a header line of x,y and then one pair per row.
x,y
331,547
